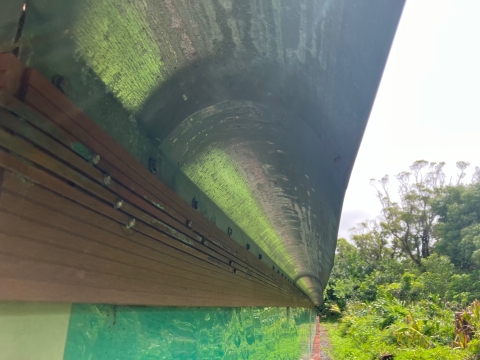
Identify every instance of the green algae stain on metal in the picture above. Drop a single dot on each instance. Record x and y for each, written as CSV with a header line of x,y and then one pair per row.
x,y
154,203
158,205
215,173
81,150
115,40
101,332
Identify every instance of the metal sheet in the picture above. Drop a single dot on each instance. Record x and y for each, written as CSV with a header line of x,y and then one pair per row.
x,y
141,333
261,103
10,14
268,117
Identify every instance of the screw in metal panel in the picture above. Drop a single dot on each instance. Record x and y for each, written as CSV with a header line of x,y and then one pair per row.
x,y
195,203
189,223
107,180
152,165
131,223
95,159
59,82
118,204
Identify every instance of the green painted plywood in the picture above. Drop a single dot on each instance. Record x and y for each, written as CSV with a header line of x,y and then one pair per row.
x,y
144,333
33,331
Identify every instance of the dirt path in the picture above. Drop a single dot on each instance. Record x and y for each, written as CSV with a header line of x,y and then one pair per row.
x,y
324,342
321,343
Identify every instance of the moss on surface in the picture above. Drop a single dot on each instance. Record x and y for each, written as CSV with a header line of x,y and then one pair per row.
x,y
216,174
116,42
81,150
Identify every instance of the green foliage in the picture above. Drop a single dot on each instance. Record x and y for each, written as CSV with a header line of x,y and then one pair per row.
x,y
406,284
458,228
407,224
422,330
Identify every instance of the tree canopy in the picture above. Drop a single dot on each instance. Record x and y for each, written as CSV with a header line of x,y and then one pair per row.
x,y
405,278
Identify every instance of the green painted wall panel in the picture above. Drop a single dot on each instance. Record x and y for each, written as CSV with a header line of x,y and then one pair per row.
x,y
143,333
33,331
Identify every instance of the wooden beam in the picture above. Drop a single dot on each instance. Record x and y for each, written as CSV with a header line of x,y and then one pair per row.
x,y
81,220
11,74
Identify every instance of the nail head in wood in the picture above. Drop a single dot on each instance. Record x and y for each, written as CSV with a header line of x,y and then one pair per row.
x,y
118,204
131,223
107,180
95,159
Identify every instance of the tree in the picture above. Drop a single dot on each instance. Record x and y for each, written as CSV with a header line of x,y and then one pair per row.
x,y
462,166
408,222
476,175
371,241
349,270
458,227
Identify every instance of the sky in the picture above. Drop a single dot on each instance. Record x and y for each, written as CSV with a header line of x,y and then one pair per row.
x,y
428,103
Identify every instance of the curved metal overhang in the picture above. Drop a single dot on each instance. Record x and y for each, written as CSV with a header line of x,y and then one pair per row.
x,y
267,115
262,104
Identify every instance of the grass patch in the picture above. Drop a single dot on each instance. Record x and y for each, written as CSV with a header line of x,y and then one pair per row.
x,y
372,344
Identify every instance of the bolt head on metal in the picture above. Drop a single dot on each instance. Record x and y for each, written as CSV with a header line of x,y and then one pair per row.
x,y
152,165
107,180
118,204
195,203
95,159
131,223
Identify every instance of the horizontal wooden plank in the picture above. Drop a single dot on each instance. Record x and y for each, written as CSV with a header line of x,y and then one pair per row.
x,y
62,153
13,289
22,269
52,245
80,242
11,73
73,160
23,207
25,149
61,230
12,184
73,267
86,130
39,195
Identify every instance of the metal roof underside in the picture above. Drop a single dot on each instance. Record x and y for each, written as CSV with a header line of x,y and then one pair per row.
x,y
261,103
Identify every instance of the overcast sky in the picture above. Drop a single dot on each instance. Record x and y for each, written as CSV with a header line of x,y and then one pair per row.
x,y
428,103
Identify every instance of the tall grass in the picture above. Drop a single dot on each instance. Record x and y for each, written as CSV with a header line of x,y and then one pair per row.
x,y
418,330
